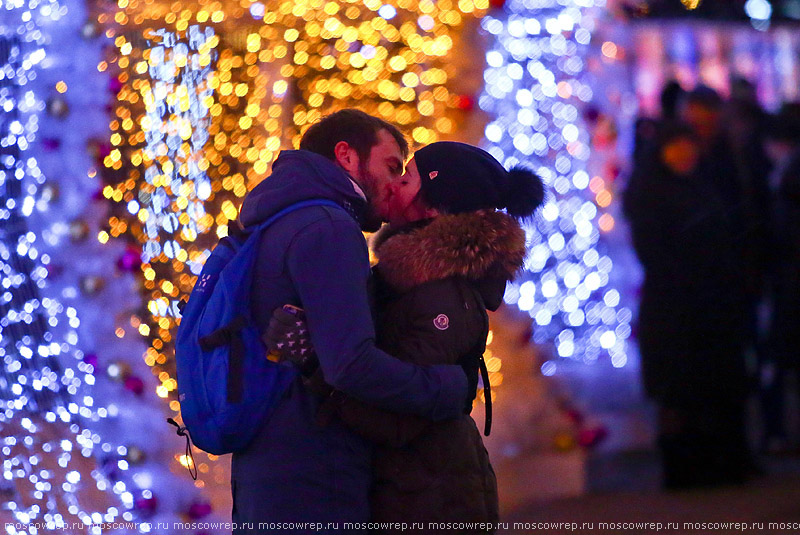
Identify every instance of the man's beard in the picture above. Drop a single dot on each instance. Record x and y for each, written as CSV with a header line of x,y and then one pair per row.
x,y
372,220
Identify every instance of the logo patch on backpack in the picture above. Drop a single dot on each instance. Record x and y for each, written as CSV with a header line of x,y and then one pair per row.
x,y
441,322
202,282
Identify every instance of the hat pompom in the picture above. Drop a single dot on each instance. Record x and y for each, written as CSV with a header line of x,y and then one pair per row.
x,y
525,192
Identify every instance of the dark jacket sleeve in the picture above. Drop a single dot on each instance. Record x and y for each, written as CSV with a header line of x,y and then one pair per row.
x,y
437,323
329,267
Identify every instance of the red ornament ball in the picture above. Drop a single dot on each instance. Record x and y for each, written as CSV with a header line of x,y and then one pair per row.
x,y
589,438
199,510
91,359
135,385
114,85
465,102
51,143
130,261
146,506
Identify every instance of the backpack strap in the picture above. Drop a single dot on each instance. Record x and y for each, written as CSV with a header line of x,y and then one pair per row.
x,y
487,396
477,353
230,334
296,206
189,457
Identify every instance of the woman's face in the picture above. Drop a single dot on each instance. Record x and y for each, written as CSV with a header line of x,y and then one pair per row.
x,y
405,204
681,155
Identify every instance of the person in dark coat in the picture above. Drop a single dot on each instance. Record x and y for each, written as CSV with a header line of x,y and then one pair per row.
x,y
692,315
443,261
783,146
732,163
295,472
645,129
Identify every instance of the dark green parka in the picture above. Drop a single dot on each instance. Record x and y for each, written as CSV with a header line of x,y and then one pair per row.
x,y
435,281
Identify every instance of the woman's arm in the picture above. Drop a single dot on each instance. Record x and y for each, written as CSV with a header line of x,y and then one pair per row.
x,y
437,323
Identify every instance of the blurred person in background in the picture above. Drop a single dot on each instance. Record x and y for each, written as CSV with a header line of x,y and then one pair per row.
x,y
646,128
745,124
671,96
783,148
733,163
692,312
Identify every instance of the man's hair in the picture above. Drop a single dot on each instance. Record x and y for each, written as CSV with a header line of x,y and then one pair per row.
x,y
357,128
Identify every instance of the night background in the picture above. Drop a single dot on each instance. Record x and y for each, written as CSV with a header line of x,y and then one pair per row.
x,y
130,132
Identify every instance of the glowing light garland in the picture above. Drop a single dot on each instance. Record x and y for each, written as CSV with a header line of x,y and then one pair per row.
x,y
169,201
535,91
44,399
388,59
760,13
209,93
167,174
192,133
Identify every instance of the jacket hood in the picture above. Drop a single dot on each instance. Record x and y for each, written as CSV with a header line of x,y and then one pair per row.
x,y
485,247
299,175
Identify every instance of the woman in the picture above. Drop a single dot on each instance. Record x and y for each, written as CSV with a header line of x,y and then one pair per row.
x,y
444,259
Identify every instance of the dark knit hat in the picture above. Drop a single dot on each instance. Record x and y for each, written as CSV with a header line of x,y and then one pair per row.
x,y
456,178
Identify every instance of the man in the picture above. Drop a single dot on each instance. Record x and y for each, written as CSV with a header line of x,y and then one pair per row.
x,y
296,470
783,339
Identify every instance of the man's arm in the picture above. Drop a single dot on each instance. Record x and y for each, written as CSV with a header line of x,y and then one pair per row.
x,y
329,267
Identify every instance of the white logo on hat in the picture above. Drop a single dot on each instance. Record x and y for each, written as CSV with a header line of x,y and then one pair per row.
x,y
433,174
441,322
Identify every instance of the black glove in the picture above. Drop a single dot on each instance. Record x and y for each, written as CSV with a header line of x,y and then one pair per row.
x,y
288,337
315,383
470,366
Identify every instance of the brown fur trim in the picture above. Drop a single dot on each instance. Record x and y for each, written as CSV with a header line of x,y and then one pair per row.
x,y
472,245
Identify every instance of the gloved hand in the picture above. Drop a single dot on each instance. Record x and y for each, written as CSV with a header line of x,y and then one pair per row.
x,y
315,383
471,367
288,337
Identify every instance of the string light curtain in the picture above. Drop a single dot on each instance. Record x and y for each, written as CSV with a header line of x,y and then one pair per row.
x,y
389,59
536,89
207,95
50,480
181,145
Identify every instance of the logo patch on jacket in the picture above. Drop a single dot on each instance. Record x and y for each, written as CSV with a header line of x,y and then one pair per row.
x,y
441,322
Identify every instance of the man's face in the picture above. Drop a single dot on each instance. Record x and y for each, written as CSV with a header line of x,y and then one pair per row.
x,y
383,166
681,155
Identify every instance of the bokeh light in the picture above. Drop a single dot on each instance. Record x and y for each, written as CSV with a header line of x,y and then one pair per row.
x,y
536,90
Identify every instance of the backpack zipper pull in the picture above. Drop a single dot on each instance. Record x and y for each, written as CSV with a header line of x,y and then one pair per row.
x,y
183,432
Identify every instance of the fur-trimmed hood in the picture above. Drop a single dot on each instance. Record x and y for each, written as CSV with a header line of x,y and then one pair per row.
x,y
473,245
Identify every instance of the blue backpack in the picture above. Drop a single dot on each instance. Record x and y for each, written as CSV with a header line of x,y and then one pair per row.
x,y
226,384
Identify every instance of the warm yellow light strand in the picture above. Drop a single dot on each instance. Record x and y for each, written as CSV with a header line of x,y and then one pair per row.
x,y
274,69
200,181
388,59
